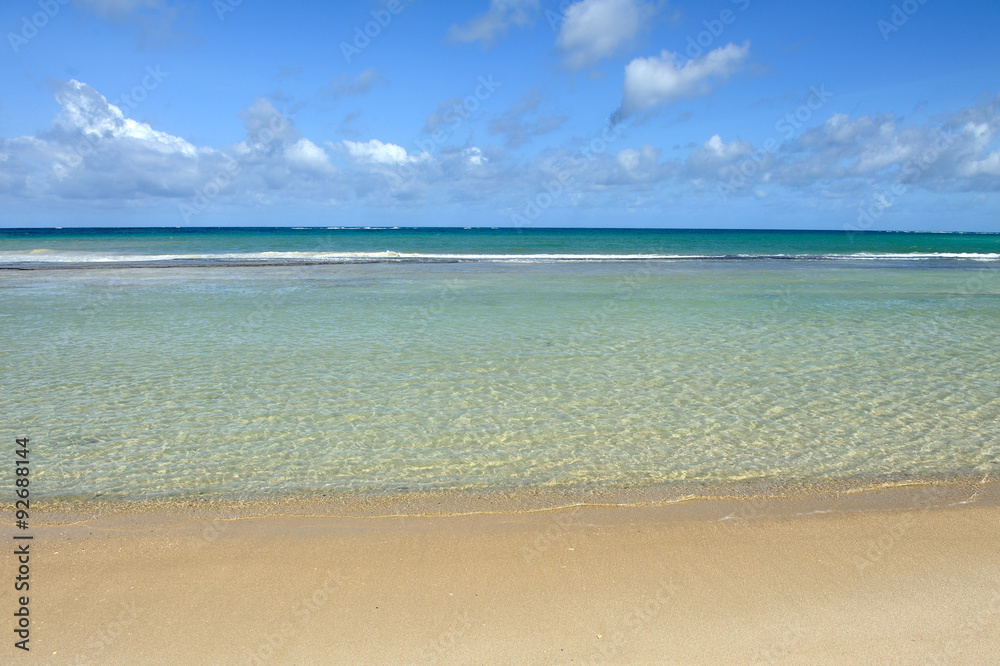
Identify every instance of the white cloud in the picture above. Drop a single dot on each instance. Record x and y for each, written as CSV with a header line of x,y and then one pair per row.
x,y
492,25
275,151
714,156
86,111
385,172
718,149
979,135
988,166
844,154
93,152
376,152
661,80
643,165
629,158
306,155
596,29
865,146
475,156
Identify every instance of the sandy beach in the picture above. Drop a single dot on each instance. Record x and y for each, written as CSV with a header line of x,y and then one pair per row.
x,y
900,576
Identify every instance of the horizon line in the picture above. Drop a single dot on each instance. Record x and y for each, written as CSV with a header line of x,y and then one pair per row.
x,y
486,228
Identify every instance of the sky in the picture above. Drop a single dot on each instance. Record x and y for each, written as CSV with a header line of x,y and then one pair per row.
x,y
597,113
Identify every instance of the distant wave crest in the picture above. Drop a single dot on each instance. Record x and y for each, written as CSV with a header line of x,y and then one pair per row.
x,y
53,258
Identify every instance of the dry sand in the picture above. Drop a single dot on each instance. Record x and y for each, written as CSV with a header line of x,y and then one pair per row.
x,y
905,576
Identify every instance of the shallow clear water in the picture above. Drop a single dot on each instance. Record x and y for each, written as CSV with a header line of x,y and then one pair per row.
x,y
242,382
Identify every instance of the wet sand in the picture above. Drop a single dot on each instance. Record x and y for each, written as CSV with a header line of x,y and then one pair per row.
x,y
903,576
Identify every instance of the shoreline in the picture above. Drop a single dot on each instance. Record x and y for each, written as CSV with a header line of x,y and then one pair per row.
x,y
987,261
907,575
684,500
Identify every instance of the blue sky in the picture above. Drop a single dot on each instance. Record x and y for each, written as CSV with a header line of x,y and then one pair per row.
x,y
623,113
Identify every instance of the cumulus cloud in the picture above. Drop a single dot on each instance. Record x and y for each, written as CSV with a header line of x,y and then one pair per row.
x,y
846,154
489,27
387,173
85,111
841,157
715,156
93,153
609,178
660,80
306,155
596,29
516,124
275,153
989,166
642,165
376,152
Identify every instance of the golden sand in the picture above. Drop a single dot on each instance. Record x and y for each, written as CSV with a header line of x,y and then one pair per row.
x,y
906,576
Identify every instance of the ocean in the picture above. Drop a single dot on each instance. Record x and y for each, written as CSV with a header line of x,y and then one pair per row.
x,y
235,364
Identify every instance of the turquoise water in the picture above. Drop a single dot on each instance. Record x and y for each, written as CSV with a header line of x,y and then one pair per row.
x,y
293,379
283,245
